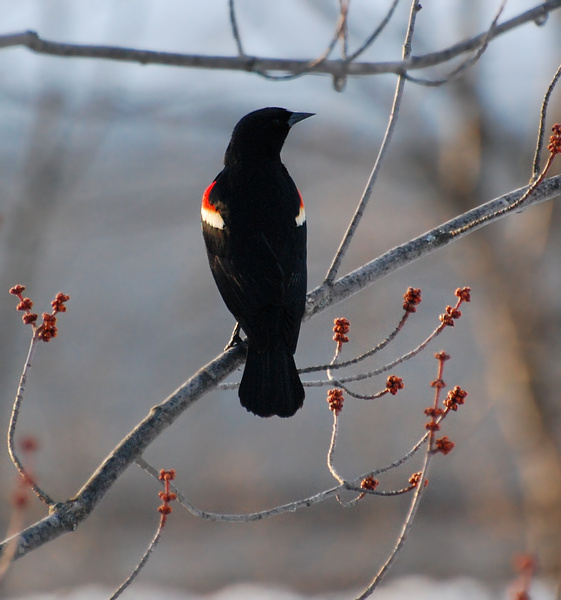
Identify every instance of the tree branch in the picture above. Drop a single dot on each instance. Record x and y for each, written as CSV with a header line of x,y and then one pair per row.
x,y
363,203
336,68
325,296
66,517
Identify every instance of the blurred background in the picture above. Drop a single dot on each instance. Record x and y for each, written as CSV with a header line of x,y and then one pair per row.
x,y
102,166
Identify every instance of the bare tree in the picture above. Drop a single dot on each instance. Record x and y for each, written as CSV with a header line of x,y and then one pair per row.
x,y
66,516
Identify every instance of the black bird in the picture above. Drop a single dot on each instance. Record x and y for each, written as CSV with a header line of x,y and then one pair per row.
x,y
254,227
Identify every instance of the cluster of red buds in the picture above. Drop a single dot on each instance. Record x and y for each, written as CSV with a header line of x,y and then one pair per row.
x,y
455,398
555,140
47,329
433,412
432,425
340,330
442,357
452,312
415,480
444,445
450,315
166,496
411,299
394,384
25,304
369,483
335,400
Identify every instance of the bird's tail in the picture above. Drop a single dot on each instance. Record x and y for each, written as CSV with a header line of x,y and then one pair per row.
x,y
270,384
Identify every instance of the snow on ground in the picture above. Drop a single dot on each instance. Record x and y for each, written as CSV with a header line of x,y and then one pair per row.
x,y
420,588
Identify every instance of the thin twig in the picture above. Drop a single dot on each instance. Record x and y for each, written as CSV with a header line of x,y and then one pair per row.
x,y
375,396
42,495
383,369
235,29
331,450
420,479
140,565
336,410
336,364
507,209
355,221
536,168
339,79
291,507
243,517
468,63
361,357
344,30
374,35
339,83
312,65
402,460
406,527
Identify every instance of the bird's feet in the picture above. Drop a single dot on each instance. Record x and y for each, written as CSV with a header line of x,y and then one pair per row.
x,y
236,339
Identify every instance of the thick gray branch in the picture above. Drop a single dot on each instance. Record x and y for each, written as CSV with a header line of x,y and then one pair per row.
x,y
67,516
432,240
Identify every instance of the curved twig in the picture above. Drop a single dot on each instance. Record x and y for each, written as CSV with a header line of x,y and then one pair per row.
x,y
374,35
536,165
235,28
40,493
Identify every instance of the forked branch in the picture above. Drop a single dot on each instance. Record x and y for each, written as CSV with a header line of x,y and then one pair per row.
x,y
336,68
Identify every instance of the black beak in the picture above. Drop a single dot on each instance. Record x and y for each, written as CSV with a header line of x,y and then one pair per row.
x,y
296,117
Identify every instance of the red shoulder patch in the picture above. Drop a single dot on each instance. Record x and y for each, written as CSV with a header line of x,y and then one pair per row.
x,y
301,216
209,212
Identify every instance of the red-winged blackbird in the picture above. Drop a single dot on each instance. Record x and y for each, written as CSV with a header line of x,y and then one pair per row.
x,y
254,226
